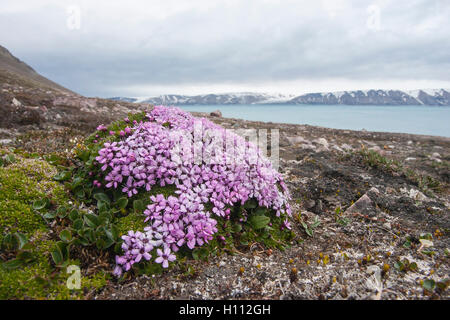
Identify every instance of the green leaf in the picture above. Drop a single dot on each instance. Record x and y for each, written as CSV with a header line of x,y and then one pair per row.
x,y
237,227
9,158
49,215
22,239
10,242
74,215
105,217
57,256
83,241
65,235
62,176
261,211
25,256
62,212
399,266
429,284
100,243
426,236
102,206
138,206
78,224
412,266
63,248
122,203
316,223
200,253
88,233
40,204
259,222
102,197
114,233
108,243
84,155
76,182
91,220
12,264
250,204
80,194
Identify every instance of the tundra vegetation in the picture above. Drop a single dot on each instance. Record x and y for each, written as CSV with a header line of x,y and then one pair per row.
x,y
120,197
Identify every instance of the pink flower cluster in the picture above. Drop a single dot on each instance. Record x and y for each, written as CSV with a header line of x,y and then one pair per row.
x,y
150,154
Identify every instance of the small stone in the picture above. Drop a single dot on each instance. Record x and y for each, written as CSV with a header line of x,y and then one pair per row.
x,y
5,141
435,155
346,147
322,141
364,205
309,204
318,208
16,102
295,139
417,195
216,113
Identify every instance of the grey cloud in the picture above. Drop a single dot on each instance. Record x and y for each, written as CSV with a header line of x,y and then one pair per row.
x,y
231,43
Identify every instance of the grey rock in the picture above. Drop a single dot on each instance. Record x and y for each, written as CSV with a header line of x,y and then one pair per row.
x,y
296,139
216,113
16,102
364,205
309,204
5,141
322,141
318,208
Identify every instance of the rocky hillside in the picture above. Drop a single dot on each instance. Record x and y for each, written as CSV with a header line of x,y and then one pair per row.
x,y
11,65
29,101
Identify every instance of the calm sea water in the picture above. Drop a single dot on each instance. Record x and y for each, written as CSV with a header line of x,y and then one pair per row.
x,y
407,119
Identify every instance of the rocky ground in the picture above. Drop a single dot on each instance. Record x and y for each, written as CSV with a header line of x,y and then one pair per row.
x,y
371,214
371,209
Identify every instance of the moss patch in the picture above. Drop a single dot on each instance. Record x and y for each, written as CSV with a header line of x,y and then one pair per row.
x,y
133,221
22,183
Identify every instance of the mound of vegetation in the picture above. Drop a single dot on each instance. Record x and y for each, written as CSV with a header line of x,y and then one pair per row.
x,y
152,190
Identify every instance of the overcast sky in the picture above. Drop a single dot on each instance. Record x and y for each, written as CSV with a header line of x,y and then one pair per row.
x,y
143,48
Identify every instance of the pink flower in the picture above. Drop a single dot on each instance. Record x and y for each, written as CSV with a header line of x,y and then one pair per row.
x,y
164,257
145,159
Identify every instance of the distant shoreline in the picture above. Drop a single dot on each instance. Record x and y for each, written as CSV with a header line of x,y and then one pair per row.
x,y
422,120
326,130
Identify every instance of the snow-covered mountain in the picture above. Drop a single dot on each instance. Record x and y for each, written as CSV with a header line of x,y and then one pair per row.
x,y
223,98
432,97
124,99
